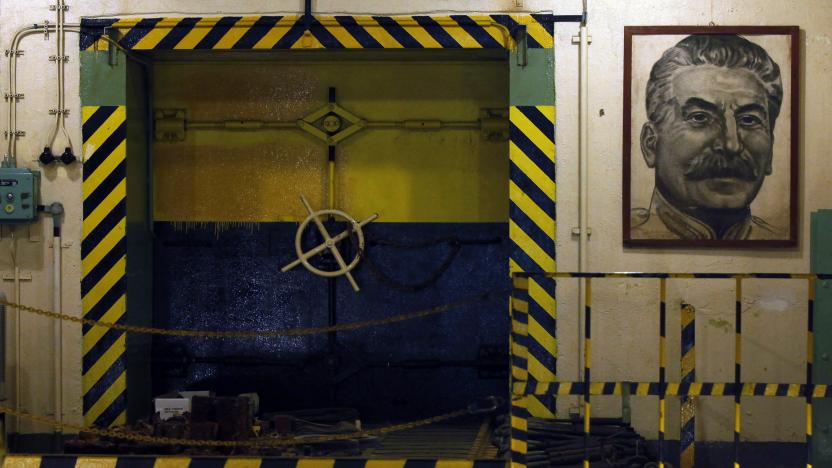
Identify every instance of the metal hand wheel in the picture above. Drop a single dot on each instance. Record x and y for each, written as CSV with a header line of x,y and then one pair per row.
x,y
330,243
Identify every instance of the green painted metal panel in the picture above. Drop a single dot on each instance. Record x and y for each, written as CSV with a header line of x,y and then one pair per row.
x,y
822,370
532,77
139,241
103,83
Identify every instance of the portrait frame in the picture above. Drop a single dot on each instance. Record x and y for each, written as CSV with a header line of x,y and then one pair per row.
x,y
782,197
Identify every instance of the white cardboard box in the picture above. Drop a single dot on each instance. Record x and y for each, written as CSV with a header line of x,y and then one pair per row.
x,y
170,407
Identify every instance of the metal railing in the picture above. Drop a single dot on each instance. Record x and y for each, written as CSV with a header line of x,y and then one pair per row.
x,y
521,339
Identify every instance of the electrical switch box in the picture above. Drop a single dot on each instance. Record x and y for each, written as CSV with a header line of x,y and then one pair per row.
x,y
19,195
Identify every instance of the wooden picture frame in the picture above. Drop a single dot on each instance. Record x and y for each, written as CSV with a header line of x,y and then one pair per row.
x,y
711,136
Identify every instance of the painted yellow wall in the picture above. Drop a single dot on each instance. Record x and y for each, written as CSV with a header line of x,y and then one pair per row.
x,y
447,175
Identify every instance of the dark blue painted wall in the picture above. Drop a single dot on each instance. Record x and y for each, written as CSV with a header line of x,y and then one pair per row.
x,y
232,280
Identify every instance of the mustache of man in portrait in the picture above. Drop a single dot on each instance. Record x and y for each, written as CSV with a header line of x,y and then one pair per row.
x,y
712,103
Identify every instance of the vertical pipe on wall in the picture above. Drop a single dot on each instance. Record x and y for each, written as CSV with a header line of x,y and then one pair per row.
x,y
10,160
56,210
17,359
56,307
60,57
583,163
737,371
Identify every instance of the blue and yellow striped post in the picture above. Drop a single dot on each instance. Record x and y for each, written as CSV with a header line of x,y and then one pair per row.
x,y
103,263
662,364
737,370
810,330
532,233
587,366
519,369
687,431
532,198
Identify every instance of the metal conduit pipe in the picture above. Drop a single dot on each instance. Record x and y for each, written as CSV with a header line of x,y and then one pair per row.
x,y
11,133
13,52
583,175
16,298
407,124
60,111
56,210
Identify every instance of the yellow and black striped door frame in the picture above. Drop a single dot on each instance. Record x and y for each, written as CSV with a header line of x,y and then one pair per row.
x,y
320,32
103,263
532,156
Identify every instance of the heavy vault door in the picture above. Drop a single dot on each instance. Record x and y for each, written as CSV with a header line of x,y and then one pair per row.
x,y
432,165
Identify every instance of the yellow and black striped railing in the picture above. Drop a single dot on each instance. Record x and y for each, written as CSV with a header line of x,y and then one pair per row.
x,y
674,389
184,461
523,387
558,275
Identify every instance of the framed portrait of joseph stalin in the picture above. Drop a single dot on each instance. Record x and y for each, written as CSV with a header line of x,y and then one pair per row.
x,y
710,136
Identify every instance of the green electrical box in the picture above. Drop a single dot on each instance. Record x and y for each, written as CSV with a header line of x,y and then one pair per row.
x,y
19,195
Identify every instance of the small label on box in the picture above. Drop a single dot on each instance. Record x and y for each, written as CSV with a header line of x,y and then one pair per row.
x,y
170,407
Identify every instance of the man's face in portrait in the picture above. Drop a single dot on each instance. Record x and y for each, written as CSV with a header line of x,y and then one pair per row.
x,y
713,148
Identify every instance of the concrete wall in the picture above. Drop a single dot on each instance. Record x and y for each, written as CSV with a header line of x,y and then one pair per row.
x,y
626,342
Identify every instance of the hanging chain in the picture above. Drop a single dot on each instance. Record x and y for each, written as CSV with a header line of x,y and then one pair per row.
x,y
265,442
263,333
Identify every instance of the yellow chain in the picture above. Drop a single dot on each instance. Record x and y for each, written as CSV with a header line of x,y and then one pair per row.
x,y
258,333
268,442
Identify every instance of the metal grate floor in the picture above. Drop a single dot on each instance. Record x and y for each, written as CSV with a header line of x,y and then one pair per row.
x,y
456,441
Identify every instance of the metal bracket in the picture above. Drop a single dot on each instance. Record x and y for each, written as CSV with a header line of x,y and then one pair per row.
x,y
521,36
24,276
55,8
17,133
54,58
169,125
316,123
576,231
16,97
494,124
58,111
16,52
577,40
112,51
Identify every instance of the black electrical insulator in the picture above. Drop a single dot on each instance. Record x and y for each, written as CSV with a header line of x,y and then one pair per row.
x,y
46,157
68,157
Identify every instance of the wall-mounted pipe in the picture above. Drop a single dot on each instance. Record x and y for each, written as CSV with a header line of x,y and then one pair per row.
x,y
583,175
3,394
3,356
55,145
56,210
10,159
293,125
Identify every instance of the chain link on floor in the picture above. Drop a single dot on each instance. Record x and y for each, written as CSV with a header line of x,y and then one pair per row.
x,y
264,442
264,333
